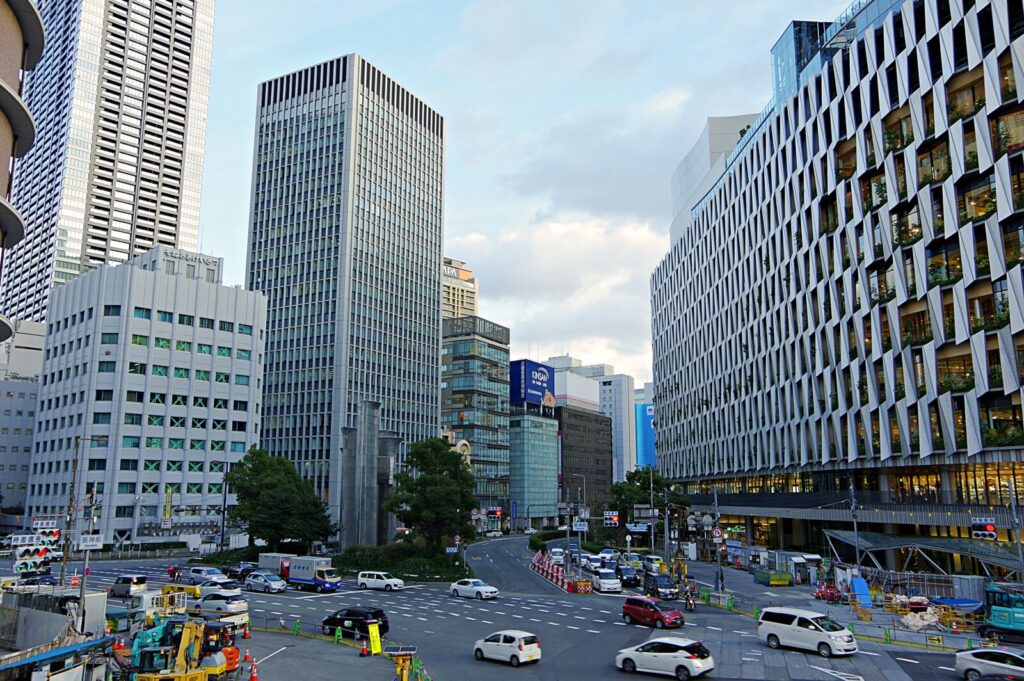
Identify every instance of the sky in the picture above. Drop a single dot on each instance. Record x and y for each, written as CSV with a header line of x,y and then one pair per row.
x,y
564,122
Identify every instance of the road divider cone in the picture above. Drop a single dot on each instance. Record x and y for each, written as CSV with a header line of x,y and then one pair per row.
x,y
254,674
246,634
364,652
247,658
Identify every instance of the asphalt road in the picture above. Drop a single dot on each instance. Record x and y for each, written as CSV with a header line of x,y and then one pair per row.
x,y
579,634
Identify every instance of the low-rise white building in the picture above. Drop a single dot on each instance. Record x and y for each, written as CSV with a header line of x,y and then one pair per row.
x,y
152,377
21,361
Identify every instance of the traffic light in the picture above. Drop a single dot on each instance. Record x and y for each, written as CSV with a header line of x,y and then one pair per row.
x,y
31,559
49,537
611,519
984,528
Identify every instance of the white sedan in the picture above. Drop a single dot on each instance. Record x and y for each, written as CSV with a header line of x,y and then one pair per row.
x,y
493,533
223,602
224,586
512,645
530,530
605,580
472,588
675,656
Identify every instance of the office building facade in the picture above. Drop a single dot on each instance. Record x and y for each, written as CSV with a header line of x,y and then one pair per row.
x,y
345,241
152,379
119,102
585,441
475,402
533,468
21,47
459,295
616,400
845,306
21,363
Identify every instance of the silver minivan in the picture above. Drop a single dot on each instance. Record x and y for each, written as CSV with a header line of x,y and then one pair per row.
x,y
805,629
127,586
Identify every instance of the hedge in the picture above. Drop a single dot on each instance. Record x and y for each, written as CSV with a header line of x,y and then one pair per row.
x,y
405,560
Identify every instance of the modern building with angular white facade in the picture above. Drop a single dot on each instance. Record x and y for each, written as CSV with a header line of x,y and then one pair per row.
x,y
845,303
152,378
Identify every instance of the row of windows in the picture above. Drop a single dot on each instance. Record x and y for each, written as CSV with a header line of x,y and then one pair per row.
x,y
139,368
46,489
173,466
160,343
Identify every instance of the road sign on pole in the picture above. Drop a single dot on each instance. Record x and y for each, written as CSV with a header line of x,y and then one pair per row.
x,y
90,542
629,538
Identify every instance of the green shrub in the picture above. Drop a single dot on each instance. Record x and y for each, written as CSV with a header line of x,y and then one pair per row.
x,y
536,543
405,560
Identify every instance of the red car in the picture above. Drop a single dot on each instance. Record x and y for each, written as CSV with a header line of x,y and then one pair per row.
x,y
651,611
829,593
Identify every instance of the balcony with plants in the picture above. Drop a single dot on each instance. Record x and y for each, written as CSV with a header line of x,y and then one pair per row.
x,y
944,265
982,265
899,132
1007,133
846,164
970,148
1013,241
917,328
1007,81
955,374
995,376
966,100
1000,421
883,286
976,199
906,227
988,312
933,165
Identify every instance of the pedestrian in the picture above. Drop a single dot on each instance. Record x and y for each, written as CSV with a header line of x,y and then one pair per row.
x,y
170,572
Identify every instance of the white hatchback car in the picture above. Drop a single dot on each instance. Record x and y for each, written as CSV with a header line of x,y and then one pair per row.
x,y
379,580
605,580
972,664
530,530
494,533
512,645
682,658
472,588
223,602
265,582
223,586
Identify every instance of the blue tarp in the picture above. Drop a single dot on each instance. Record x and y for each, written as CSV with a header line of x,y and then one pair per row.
x,y
60,653
968,604
859,593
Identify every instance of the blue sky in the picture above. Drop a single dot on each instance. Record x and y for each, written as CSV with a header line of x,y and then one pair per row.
x,y
564,121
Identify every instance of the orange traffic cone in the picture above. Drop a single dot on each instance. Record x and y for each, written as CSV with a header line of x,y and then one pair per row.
x,y
364,652
246,635
246,658
956,628
254,674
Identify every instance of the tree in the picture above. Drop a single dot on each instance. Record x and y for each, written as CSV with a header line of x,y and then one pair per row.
x,y
637,489
274,502
434,495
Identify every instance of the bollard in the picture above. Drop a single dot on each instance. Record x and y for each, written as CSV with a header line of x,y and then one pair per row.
x,y
337,634
850,627
297,629
970,644
757,612
730,602
886,635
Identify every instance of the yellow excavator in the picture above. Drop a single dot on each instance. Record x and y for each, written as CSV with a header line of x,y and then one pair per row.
x,y
179,662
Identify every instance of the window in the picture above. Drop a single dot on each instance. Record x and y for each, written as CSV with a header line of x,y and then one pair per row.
x,y
220,424
217,445
132,419
175,443
151,488
186,319
154,443
216,466
245,329
131,442
199,402
124,512
162,343
205,323
143,313
222,377
223,351
157,398
137,368
243,354
140,340
130,396
214,488
173,487
199,423
151,465
241,379
195,466
108,338
226,326
179,400
197,445
164,316
129,464
159,369
111,310
220,403
241,405
180,372
177,422
202,375
238,426
238,446
184,346
194,488
204,348
97,464
126,488
107,367
101,418
174,466
155,420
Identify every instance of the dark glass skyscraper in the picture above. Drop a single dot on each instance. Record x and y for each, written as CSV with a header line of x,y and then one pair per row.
x,y
345,241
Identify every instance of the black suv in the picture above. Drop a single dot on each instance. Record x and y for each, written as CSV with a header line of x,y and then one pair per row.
x,y
627,575
353,620
659,586
239,571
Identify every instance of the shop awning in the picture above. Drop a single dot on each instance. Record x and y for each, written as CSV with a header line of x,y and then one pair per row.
x,y
797,559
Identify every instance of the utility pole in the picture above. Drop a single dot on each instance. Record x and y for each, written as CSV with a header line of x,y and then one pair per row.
x,y
856,533
650,519
85,570
1016,532
665,525
71,508
718,548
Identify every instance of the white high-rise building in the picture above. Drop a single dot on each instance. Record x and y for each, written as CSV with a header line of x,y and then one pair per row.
x,y
21,361
152,379
119,100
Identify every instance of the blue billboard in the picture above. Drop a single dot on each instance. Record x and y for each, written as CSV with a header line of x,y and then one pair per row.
x,y
645,436
531,382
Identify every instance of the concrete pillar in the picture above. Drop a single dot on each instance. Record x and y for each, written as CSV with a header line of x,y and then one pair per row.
x,y
947,488
749,522
892,558
799,541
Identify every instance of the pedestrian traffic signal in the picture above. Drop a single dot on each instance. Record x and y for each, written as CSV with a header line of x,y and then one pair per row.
x,y
984,528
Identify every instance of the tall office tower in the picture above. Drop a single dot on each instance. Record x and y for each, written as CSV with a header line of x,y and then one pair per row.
x,y
460,294
844,307
345,240
474,406
120,105
152,375
617,397
21,46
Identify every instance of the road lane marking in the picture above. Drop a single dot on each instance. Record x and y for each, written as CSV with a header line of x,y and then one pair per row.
x,y
577,617
948,669
554,624
533,620
593,631
471,619
518,617
327,595
906,659
569,626
264,659
422,619
714,628
868,652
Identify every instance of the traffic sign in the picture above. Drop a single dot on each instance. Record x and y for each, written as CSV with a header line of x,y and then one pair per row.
x,y
580,526
515,509
90,542
44,524
716,533
457,538
76,580
629,538
636,527
451,549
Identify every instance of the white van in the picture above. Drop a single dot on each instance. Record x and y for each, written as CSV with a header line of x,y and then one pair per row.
x,y
557,556
379,580
804,629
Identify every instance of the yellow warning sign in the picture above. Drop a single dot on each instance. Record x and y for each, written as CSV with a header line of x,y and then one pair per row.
x,y
374,629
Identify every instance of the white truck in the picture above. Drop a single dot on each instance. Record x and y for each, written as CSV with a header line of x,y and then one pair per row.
x,y
273,562
310,572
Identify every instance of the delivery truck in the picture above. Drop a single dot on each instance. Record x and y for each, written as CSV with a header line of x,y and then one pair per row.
x,y
310,572
271,562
